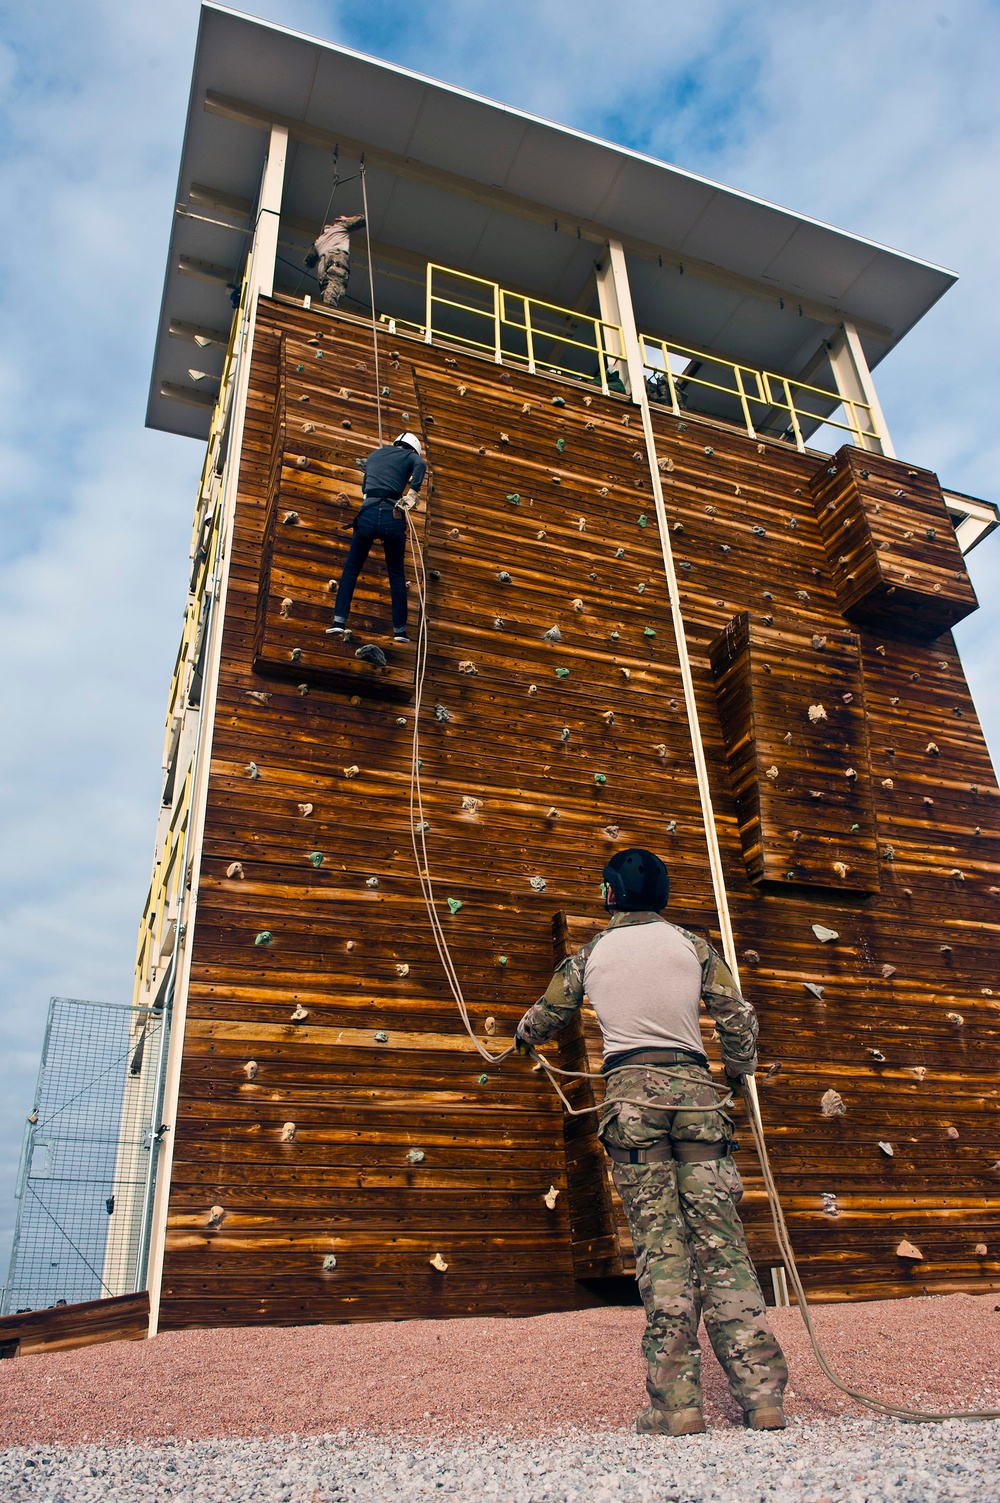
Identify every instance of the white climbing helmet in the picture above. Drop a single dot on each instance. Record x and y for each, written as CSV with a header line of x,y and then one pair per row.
x,y
411,440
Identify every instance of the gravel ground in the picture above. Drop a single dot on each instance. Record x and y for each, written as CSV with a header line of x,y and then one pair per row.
x,y
540,1409
837,1461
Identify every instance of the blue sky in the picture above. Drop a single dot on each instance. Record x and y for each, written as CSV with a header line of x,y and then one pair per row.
x,y
881,118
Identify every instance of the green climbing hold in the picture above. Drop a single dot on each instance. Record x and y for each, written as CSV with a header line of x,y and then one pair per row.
x,y
454,905
483,1079
501,960
643,519
562,673
316,857
514,498
558,402
561,445
855,829
300,367
599,777
789,876
648,631
264,938
385,391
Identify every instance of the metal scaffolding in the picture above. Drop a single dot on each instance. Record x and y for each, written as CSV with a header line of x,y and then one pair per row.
x,y
88,1162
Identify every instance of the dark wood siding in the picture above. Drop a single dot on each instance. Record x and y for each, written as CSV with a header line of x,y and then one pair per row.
x,y
559,784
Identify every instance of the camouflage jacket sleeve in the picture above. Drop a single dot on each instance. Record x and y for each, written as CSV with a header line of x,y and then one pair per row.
x,y
734,1017
559,1001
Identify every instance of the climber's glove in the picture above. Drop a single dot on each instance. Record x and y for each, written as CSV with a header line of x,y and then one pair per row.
x,y
409,500
522,1046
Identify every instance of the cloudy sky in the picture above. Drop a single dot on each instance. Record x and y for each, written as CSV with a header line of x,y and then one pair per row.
x,y
881,118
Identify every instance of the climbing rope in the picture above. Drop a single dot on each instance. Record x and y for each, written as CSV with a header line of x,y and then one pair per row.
x,y
371,290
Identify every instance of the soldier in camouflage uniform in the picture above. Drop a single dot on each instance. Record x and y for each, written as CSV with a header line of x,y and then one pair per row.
x,y
331,256
664,1125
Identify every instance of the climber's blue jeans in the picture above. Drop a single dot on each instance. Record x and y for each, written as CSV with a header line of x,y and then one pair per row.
x,y
383,522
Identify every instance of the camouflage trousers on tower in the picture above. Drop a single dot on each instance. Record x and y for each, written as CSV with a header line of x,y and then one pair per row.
x,y
691,1254
333,271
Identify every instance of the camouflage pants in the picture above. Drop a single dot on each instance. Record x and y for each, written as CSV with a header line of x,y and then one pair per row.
x,y
691,1254
333,271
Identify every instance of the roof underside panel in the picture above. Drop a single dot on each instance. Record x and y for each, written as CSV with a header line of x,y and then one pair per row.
x,y
526,204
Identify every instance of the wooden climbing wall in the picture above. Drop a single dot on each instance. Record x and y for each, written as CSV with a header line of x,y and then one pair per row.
x,y
336,1132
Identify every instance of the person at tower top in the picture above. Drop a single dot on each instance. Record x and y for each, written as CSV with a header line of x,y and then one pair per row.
x,y
331,256
664,1126
393,476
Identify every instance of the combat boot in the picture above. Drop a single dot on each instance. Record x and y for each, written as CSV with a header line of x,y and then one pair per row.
x,y
766,1417
655,1421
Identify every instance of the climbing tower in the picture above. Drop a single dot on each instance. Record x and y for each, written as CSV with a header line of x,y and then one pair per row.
x,y
680,592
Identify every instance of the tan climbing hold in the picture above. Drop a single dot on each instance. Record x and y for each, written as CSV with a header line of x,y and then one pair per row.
x,y
305,810
303,689
438,1262
771,772
467,666
956,1018
216,1215
951,1132
816,712
470,803
552,813
288,1132
662,750
886,1148
252,771
349,946
850,773
532,688
916,1072
402,969
490,1026
608,716
250,1069
888,783
832,1104
352,771
626,673
286,607
260,695
907,1250
550,1197
454,534
235,869
841,868
577,605
876,1055
665,464
299,1013
981,1250
526,407
888,970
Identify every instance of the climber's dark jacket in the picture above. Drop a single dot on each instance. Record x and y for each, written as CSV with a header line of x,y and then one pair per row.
x,y
389,470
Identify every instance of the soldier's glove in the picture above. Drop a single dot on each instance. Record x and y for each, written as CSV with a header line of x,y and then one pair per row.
x,y
409,501
737,1075
522,1046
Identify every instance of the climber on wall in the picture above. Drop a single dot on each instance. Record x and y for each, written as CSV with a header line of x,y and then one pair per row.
x,y
672,1155
392,477
331,255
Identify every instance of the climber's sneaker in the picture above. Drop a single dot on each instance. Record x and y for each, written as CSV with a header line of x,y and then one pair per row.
x,y
336,630
767,1417
653,1421
400,636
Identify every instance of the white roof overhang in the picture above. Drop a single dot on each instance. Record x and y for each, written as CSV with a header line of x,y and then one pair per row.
x,y
490,190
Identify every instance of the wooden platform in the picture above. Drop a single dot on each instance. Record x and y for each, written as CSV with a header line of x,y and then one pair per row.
x,y
122,1318
339,1021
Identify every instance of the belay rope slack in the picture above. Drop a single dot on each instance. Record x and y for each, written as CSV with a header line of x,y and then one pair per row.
x,y
418,831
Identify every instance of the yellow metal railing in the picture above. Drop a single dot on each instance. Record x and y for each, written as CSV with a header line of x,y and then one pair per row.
x,y
515,328
751,389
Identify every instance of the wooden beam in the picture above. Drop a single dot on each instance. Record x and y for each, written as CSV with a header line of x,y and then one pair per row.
x,y
198,333
187,394
244,113
205,271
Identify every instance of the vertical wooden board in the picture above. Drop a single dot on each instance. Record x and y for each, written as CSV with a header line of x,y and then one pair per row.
x,y
891,544
794,716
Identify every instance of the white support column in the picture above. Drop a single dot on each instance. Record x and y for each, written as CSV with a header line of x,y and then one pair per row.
x,y
607,297
265,246
854,382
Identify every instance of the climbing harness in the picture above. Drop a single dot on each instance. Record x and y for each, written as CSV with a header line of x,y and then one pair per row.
x,y
418,829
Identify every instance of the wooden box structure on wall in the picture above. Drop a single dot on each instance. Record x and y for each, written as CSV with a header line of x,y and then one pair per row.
x,y
890,545
793,713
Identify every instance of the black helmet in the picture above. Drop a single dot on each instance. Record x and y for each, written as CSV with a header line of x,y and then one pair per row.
x,y
639,880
